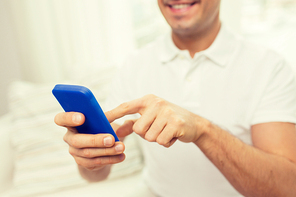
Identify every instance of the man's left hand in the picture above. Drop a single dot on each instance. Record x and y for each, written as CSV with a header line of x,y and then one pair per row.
x,y
160,121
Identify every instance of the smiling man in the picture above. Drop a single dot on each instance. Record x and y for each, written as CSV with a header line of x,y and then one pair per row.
x,y
190,21
216,114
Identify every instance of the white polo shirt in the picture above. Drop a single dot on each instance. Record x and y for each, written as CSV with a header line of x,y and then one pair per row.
x,y
234,84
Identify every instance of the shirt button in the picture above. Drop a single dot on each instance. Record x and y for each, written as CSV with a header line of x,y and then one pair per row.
x,y
189,79
181,56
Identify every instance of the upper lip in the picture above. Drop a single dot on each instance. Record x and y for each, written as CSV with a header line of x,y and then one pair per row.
x,y
170,3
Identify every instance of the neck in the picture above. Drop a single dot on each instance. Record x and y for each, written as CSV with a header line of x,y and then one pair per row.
x,y
197,42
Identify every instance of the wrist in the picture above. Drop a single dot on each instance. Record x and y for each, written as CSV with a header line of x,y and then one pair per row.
x,y
204,128
95,175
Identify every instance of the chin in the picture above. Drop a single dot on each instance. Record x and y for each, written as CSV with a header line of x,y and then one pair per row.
x,y
184,28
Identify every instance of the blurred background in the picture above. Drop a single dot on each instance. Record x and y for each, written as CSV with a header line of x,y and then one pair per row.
x,y
48,41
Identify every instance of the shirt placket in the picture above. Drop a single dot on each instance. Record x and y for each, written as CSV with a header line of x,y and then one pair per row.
x,y
193,79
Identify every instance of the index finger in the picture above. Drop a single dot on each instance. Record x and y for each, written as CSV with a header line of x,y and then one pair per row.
x,y
69,119
131,107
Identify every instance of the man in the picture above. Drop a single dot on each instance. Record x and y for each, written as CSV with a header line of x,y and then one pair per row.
x,y
225,110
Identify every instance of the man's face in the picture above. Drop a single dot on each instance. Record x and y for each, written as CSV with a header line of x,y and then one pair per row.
x,y
187,17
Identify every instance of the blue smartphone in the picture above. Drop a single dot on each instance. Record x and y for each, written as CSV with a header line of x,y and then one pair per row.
x,y
74,98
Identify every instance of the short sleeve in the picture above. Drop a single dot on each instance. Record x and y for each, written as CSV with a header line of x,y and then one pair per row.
x,y
278,101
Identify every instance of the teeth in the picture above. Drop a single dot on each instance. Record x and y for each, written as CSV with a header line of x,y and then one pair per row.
x,y
180,6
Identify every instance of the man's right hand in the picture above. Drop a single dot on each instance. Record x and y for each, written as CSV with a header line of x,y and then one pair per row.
x,y
92,152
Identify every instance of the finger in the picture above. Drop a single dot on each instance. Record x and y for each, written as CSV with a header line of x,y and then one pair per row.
x,y
126,128
93,163
69,119
142,125
167,137
131,107
97,152
78,140
155,129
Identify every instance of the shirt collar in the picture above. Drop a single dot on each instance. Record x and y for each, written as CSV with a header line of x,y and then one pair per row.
x,y
168,50
219,52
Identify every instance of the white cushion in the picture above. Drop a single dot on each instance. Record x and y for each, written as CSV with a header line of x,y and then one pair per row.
x,y
6,154
42,162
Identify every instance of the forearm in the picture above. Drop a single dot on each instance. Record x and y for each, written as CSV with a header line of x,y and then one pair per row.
x,y
251,171
96,175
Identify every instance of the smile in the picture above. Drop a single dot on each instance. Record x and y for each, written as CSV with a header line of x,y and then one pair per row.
x,y
182,6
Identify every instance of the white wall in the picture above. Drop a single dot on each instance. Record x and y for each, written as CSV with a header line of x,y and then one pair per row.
x,y
60,40
55,40
230,13
9,61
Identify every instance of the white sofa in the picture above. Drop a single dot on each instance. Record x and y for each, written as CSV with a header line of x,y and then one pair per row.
x,y
6,155
34,160
130,185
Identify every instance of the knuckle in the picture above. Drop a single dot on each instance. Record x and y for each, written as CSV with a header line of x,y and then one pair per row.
x,y
98,161
149,96
68,117
156,127
160,141
74,142
91,165
181,134
104,161
137,129
163,142
150,138
72,151
168,112
124,106
93,141
65,138
105,151
79,162
86,152
159,102
65,118
179,122
167,145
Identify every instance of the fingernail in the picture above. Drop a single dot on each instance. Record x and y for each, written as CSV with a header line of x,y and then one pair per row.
x,y
119,148
121,157
107,141
76,118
